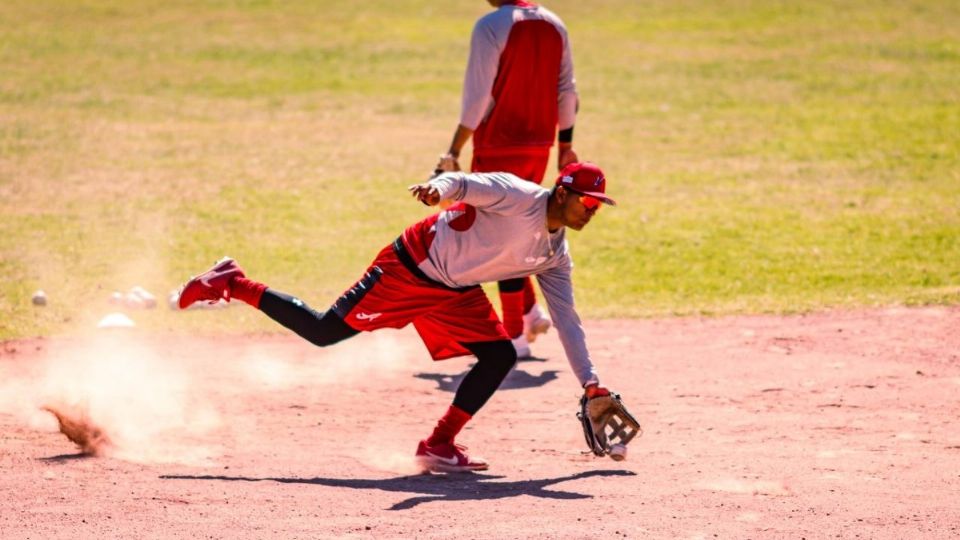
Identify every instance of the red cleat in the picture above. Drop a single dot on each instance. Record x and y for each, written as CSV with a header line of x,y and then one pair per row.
x,y
211,285
447,457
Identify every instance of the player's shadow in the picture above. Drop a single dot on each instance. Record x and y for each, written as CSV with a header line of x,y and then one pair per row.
x,y
515,380
431,488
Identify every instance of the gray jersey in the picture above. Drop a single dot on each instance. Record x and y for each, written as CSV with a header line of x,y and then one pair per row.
x,y
487,43
503,234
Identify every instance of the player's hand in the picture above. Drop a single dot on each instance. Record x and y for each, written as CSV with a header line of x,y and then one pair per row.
x,y
447,163
425,193
565,156
595,390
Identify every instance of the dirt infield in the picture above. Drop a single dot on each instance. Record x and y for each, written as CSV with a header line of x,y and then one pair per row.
x,y
834,425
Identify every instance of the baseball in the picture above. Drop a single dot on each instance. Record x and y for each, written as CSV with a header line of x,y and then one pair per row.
x,y
39,298
618,452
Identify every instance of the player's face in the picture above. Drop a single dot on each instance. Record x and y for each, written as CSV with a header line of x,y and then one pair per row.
x,y
579,209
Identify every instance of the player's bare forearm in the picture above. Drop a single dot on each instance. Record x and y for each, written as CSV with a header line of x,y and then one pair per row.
x,y
565,155
460,138
449,162
565,152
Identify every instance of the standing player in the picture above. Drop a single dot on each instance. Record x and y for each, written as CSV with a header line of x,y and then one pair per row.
x,y
502,227
518,89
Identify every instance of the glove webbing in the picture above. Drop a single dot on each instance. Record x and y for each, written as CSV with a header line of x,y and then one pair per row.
x,y
618,429
619,426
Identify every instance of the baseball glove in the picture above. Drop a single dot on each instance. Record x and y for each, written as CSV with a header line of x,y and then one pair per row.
x,y
606,421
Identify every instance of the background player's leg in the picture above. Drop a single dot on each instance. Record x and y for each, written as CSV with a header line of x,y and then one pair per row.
x,y
529,296
511,303
534,321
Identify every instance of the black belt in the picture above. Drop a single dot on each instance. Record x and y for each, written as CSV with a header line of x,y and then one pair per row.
x,y
407,260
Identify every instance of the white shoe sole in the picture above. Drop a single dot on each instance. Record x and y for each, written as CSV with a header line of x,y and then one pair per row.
x,y
430,465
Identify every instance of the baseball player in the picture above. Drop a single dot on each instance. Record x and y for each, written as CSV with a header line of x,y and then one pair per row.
x,y
518,89
500,227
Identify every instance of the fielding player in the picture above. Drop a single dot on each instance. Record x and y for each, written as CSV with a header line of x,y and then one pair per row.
x,y
501,227
518,89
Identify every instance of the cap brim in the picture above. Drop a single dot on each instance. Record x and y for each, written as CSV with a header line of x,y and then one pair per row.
x,y
601,196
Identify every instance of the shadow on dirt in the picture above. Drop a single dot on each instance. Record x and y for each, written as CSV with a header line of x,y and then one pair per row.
x,y
516,379
66,457
431,488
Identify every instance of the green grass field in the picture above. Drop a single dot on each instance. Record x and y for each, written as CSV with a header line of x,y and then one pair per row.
x,y
768,156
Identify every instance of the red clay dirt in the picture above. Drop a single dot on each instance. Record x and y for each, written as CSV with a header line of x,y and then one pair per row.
x,y
831,425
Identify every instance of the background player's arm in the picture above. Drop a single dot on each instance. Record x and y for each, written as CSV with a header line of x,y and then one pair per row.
x,y
460,138
482,66
448,162
568,103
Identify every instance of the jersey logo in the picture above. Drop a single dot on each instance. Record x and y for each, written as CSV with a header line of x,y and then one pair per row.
x,y
368,316
461,216
538,260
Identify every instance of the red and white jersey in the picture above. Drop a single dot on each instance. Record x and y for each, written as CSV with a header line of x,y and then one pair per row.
x,y
497,231
519,84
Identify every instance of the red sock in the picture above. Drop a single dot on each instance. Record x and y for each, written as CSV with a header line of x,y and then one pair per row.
x,y
247,290
448,426
512,305
529,296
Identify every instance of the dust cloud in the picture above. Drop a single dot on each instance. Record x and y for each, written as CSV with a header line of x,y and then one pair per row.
x,y
113,395
361,360
126,394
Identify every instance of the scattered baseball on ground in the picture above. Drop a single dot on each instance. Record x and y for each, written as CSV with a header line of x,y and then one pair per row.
x,y
133,301
116,320
136,298
618,452
39,298
144,298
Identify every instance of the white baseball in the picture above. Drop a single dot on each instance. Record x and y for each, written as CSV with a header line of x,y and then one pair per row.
x,y
39,298
618,452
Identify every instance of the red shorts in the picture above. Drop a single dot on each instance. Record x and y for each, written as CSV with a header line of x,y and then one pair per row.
x,y
529,164
391,295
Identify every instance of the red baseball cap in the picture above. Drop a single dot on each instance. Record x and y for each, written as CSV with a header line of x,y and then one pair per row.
x,y
587,179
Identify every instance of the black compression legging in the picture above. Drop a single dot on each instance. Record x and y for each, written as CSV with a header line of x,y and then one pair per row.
x,y
321,329
495,359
